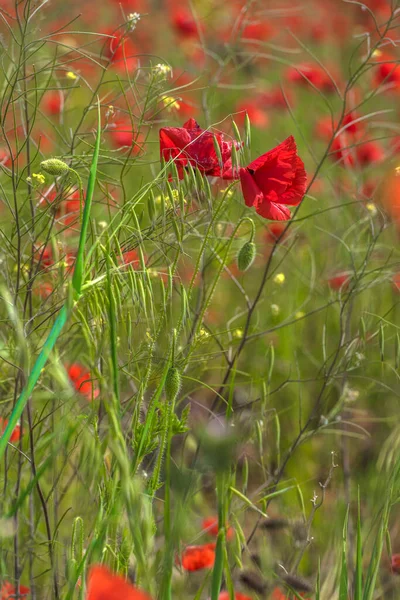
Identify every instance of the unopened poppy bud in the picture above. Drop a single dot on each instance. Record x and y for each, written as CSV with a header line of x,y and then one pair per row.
x,y
246,256
54,166
172,383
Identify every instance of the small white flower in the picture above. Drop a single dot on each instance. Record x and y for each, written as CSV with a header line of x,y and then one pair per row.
x,y
162,69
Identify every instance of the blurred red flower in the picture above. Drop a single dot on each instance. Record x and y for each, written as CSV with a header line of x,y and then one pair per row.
x,y
275,98
339,281
238,596
277,594
210,525
5,158
122,135
53,102
310,73
273,232
274,181
120,51
8,591
43,289
395,564
183,23
387,70
396,287
44,255
256,114
191,144
81,379
369,153
105,585
195,558
16,434
131,258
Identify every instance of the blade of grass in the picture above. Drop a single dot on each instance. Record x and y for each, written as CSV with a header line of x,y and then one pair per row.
x,y
358,574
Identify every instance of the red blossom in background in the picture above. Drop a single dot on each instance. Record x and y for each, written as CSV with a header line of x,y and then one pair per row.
x,y
8,591
192,145
183,23
120,51
306,74
195,558
53,102
339,281
122,135
16,434
396,282
238,596
274,232
277,594
255,112
105,585
210,525
387,71
131,258
81,379
395,564
274,181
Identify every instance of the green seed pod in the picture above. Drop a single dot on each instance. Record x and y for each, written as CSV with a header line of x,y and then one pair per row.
x,y
54,166
246,256
172,384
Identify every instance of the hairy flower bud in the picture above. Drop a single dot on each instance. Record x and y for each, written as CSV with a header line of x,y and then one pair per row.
x,y
54,166
172,383
246,256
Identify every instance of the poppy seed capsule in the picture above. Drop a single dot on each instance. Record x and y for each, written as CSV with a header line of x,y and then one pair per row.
x,y
253,581
246,256
54,166
172,383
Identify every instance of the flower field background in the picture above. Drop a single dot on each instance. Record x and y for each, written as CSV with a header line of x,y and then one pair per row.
x,y
199,284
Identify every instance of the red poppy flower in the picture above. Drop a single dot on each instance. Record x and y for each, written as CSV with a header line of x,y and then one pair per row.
x,y
369,153
195,558
53,102
277,594
122,135
131,258
191,144
81,379
274,98
311,74
273,232
5,159
44,254
44,290
183,23
210,525
257,30
274,181
395,564
16,434
256,114
339,281
105,585
238,596
8,591
387,71
121,51
396,287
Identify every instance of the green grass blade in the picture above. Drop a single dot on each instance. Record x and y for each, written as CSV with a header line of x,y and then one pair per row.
x,y
343,586
80,261
358,573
